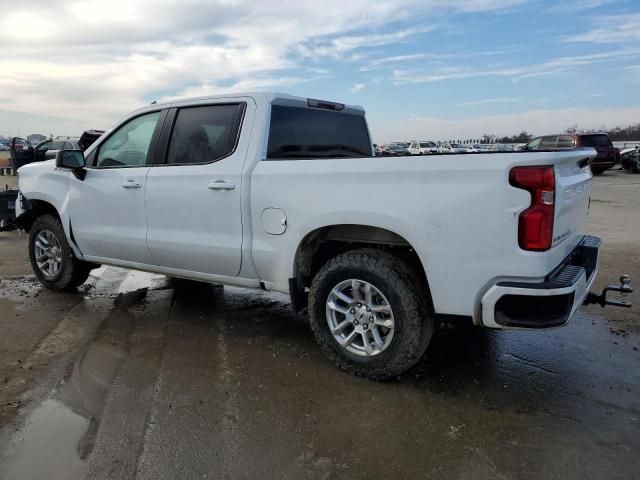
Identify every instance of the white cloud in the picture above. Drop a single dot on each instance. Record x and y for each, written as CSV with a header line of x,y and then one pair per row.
x,y
91,61
612,29
487,101
384,61
537,122
558,65
248,85
485,5
348,43
578,6
357,87
104,59
414,58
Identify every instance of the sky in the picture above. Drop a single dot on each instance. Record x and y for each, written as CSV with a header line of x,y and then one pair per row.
x,y
422,69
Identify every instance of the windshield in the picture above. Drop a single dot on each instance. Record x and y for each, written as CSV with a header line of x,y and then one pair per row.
x,y
595,141
456,145
427,144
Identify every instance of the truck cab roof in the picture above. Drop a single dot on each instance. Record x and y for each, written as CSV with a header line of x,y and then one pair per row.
x,y
276,98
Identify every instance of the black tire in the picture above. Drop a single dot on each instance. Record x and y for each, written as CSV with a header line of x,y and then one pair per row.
x,y
72,272
597,171
409,300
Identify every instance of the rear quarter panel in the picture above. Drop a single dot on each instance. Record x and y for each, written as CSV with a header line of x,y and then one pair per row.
x,y
458,212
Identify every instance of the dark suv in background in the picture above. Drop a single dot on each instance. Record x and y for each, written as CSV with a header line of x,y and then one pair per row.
x,y
22,152
607,155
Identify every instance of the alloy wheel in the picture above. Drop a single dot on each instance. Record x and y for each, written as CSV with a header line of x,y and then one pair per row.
x,y
360,317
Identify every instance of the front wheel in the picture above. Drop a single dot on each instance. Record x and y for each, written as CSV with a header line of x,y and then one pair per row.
x,y
52,259
370,313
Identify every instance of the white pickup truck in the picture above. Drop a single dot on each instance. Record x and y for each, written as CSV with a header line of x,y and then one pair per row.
x,y
283,193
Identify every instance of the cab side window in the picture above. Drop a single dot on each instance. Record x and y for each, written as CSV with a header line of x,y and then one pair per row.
x,y
129,145
566,141
548,142
204,134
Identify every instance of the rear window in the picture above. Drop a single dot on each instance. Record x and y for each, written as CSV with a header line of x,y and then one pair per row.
x,y
309,133
595,141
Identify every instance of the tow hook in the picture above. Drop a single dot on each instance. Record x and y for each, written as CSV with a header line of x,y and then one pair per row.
x,y
623,288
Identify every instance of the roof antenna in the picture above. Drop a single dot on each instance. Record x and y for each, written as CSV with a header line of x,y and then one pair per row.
x,y
154,102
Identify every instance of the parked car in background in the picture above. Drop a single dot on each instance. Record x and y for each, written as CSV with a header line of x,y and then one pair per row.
x,y
88,137
452,148
393,150
423,147
630,159
23,153
5,146
506,148
606,157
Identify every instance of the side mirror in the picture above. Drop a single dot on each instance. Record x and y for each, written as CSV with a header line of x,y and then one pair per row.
x,y
70,159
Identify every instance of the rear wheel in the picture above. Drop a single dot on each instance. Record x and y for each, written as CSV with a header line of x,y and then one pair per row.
x,y
597,170
370,313
52,259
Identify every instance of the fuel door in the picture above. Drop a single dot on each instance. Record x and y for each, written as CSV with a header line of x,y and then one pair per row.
x,y
274,221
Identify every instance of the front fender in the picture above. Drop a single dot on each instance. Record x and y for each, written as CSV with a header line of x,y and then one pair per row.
x,y
43,182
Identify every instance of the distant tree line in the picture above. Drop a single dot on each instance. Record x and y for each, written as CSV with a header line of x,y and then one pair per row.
x,y
624,134
522,137
617,134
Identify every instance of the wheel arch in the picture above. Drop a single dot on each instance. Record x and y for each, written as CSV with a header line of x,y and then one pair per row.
x,y
323,243
34,208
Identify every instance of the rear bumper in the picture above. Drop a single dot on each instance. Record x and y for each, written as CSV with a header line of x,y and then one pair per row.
x,y
547,304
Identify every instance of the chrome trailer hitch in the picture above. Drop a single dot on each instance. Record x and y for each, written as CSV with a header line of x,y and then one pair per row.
x,y
624,287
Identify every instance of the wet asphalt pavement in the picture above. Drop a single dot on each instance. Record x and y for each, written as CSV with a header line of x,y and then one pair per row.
x,y
137,376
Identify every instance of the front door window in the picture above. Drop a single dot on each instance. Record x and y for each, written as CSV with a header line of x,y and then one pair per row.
x,y
129,145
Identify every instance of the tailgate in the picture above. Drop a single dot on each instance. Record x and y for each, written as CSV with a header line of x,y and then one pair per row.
x,y
573,188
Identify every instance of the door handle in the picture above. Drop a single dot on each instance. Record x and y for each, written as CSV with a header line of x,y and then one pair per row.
x,y
222,185
131,184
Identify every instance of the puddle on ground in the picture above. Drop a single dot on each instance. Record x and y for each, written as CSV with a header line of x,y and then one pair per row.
x,y
46,447
58,435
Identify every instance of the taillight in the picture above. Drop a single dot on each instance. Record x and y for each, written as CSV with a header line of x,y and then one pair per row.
x,y
535,226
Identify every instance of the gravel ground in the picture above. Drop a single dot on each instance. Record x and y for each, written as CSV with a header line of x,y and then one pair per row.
x,y
136,376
